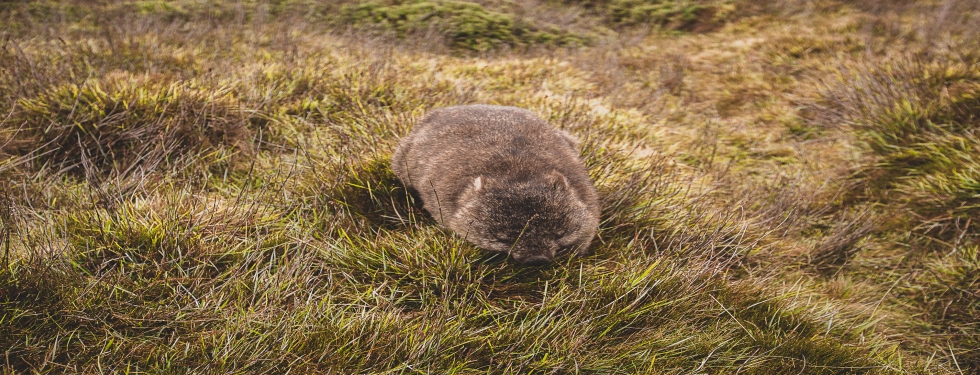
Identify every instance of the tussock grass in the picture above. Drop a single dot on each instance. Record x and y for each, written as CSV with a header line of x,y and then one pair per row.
x,y
124,126
918,118
947,293
915,115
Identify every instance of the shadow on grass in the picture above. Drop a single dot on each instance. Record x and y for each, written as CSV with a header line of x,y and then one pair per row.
x,y
372,192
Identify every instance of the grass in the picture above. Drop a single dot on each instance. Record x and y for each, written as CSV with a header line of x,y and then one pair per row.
x,y
124,126
204,188
918,120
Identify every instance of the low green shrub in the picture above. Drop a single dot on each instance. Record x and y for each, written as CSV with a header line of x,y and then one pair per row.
x,y
465,25
685,15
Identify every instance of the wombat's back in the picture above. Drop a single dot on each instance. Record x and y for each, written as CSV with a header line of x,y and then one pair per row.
x,y
451,148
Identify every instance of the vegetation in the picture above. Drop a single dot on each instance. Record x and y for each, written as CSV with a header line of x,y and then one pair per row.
x,y
466,25
191,187
670,14
919,119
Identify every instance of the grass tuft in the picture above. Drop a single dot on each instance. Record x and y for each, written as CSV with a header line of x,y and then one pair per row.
x,y
917,118
124,126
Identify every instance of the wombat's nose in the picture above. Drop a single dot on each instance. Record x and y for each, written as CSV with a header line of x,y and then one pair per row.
x,y
536,261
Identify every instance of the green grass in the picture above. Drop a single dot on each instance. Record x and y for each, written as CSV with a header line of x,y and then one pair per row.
x,y
918,119
191,188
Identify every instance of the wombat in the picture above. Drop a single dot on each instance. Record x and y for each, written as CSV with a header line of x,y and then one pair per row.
x,y
502,178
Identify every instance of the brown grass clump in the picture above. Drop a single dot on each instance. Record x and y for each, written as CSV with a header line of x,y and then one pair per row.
x,y
841,243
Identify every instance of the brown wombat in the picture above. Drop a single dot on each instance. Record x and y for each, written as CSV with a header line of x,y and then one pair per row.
x,y
503,179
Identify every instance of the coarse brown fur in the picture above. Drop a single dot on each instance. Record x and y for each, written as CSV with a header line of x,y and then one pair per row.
x,y
502,178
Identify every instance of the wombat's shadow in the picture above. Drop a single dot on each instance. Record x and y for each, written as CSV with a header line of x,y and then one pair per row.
x,y
372,192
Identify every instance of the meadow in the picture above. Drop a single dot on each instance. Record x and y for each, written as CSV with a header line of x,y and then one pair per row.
x,y
788,187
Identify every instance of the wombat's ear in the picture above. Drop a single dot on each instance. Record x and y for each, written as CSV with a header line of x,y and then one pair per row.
x,y
556,180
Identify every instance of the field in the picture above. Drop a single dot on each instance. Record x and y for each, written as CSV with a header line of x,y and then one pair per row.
x,y
788,187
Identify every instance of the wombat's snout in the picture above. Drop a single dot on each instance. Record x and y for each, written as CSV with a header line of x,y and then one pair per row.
x,y
533,260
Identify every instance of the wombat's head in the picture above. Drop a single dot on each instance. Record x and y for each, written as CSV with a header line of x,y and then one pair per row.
x,y
532,220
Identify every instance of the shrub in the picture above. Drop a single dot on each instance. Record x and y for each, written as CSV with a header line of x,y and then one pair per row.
x,y
465,25
684,15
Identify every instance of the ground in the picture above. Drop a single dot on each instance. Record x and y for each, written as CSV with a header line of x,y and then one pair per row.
x,y
203,187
